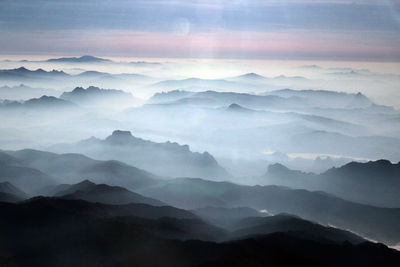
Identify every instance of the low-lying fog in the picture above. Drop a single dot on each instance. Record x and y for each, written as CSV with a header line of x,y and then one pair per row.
x,y
306,130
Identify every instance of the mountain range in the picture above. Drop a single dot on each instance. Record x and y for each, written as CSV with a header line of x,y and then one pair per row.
x,y
59,79
42,103
24,92
374,182
38,171
311,205
94,96
82,59
167,159
131,234
102,193
327,99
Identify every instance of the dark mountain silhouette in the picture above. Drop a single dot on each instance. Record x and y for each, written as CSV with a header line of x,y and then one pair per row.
x,y
315,206
368,170
294,226
374,182
71,233
167,159
54,205
7,197
82,59
73,168
164,221
103,193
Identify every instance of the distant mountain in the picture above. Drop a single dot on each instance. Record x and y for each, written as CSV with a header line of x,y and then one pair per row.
x,y
294,226
60,79
238,108
43,103
23,92
326,99
23,74
197,84
250,78
93,74
47,101
94,96
105,76
284,78
102,193
73,168
166,159
145,63
218,99
315,206
82,59
325,142
171,96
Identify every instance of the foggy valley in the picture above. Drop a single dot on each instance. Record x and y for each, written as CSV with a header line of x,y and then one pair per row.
x,y
199,133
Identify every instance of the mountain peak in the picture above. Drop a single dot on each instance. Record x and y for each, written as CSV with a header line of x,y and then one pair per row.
x,y
85,183
277,167
235,106
22,69
121,133
253,76
119,137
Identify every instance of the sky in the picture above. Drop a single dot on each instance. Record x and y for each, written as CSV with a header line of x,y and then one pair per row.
x,y
340,30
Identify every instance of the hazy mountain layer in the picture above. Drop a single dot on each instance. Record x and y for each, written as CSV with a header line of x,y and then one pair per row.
x,y
316,206
69,168
167,159
374,182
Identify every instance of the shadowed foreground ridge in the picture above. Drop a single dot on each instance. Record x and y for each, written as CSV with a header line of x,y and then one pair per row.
x,y
76,233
